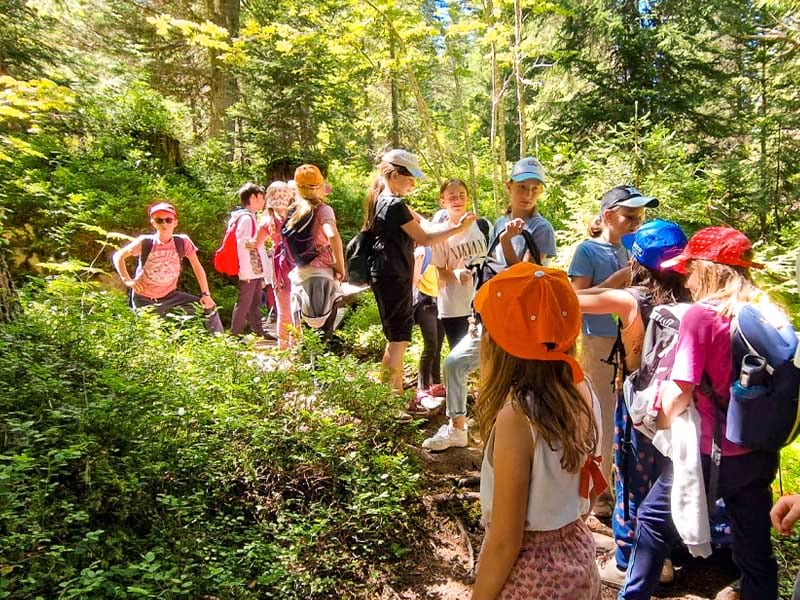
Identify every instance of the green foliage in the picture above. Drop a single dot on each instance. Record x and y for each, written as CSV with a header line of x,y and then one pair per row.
x,y
140,460
361,331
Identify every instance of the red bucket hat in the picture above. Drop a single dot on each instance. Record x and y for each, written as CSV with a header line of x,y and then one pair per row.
x,y
723,245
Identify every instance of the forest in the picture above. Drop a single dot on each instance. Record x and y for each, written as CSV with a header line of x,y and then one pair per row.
x,y
142,458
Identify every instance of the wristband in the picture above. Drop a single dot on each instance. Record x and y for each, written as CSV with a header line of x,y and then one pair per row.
x,y
206,294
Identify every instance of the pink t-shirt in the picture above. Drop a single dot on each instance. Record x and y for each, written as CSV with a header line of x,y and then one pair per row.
x,y
323,215
704,345
163,266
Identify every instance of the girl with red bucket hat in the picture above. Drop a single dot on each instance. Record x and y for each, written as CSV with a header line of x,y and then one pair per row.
x,y
717,262
540,421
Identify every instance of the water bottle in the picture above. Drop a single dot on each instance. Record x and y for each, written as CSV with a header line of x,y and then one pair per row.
x,y
754,371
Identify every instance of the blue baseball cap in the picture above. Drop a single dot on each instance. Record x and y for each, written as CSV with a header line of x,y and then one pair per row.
x,y
527,168
655,242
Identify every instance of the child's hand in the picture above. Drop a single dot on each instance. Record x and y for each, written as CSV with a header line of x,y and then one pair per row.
x,y
339,272
464,276
466,220
207,302
785,513
513,228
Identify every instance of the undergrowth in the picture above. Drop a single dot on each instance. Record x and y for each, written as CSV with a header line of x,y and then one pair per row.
x,y
144,459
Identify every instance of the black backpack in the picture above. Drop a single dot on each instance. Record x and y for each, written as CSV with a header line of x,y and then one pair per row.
x,y
358,256
490,266
299,240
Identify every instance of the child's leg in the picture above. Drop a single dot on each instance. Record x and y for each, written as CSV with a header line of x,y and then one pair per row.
x,y
642,465
655,534
283,302
462,360
744,483
455,328
249,294
593,351
425,317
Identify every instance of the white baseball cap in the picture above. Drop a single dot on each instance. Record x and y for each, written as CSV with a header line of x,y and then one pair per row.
x,y
405,159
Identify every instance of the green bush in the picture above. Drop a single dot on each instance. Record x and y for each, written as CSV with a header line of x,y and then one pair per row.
x,y
141,459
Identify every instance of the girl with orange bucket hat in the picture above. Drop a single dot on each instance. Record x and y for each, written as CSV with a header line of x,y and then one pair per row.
x,y
541,424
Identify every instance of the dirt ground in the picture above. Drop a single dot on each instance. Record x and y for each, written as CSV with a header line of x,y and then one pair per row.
x,y
442,567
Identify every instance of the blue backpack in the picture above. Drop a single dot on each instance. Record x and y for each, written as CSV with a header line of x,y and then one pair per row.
x,y
763,413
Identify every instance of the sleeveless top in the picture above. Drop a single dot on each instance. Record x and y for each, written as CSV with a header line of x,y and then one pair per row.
x,y
554,498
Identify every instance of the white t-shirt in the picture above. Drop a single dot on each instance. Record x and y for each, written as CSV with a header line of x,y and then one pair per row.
x,y
457,253
253,263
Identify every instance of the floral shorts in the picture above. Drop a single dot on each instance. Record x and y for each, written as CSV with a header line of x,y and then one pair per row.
x,y
555,565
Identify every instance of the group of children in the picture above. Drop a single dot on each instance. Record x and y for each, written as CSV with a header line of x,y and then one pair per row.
x,y
552,435
554,421
291,215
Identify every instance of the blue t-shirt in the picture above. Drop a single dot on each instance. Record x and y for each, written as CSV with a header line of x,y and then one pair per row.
x,y
599,260
543,234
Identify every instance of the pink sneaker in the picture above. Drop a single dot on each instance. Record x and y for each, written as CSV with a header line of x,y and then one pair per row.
x,y
437,390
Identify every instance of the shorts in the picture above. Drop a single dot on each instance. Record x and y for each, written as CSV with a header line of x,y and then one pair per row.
x,y
394,299
554,565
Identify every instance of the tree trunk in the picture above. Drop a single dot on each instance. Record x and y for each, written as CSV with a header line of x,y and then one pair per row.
x,y
459,98
523,138
9,300
224,89
395,97
497,138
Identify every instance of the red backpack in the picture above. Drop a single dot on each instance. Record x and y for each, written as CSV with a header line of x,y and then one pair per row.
x,y
226,257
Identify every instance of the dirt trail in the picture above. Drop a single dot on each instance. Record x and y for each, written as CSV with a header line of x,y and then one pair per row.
x,y
450,542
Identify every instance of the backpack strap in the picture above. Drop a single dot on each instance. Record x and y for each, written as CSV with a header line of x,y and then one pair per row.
x,y
716,440
144,253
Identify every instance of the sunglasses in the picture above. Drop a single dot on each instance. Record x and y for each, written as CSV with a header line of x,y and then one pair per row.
x,y
160,220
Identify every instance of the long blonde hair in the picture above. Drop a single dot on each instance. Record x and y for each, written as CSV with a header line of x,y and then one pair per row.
x,y
545,392
385,170
725,286
302,205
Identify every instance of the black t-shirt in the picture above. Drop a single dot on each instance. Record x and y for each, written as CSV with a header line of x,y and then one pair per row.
x,y
393,254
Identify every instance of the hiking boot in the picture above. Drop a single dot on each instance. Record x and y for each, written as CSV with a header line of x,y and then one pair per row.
x,y
447,437
729,592
437,390
610,573
603,506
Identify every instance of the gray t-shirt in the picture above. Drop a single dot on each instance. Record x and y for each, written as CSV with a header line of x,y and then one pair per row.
x,y
543,234
599,260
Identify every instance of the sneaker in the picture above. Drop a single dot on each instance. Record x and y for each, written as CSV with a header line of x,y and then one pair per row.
x,y
610,573
446,437
429,402
437,390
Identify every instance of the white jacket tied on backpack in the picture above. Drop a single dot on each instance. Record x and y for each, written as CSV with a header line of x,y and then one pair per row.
x,y
681,444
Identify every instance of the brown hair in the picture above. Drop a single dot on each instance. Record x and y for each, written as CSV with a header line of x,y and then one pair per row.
x,y
664,287
385,170
545,392
449,182
723,285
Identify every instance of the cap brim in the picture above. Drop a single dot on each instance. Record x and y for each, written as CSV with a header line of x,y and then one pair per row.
x,y
678,264
638,202
163,212
526,177
627,240
416,173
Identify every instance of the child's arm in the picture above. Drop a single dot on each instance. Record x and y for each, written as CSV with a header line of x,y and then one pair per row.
x,y
512,456
598,301
200,274
785,513
119,257
675,398
329,227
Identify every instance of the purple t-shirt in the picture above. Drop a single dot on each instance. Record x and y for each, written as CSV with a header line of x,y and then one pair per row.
x,y
704,345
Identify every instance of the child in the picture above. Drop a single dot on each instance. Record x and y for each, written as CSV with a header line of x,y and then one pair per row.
x,y
784,515
453,260
426,315
603,262
396,228
524,186
717,261
537,416
639,465
315,285
156,280
277,201
253,266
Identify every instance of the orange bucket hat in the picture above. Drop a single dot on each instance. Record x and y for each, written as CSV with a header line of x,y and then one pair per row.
x,y
532,312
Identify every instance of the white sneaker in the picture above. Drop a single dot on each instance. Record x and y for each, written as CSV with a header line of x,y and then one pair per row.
x,y
447,437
